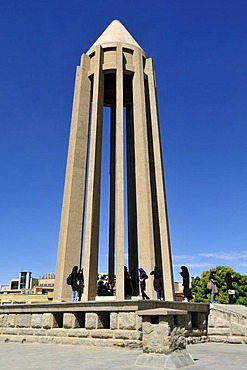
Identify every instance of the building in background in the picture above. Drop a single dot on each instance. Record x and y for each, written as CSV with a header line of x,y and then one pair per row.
x,y
26,289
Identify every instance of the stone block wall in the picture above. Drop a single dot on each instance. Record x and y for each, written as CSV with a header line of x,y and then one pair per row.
x,y
120,323
97,323
226,326
88,328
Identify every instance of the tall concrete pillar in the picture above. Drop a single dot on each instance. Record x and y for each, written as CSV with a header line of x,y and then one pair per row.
x,y
70,237
119,175
115,73
161,213
94,173
146,246
112,205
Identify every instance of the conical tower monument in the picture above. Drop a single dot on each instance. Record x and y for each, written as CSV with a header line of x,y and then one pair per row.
x,y
114,73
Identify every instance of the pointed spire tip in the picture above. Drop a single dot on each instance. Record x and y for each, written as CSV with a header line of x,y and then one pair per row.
x,y
116,32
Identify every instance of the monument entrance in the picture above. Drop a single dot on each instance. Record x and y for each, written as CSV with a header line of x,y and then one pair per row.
x,y
114,73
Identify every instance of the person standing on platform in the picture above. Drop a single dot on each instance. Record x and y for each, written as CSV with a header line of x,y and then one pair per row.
x,y
143,277
184,272
215,285
80,279
74,285
157,282
230,288
127,284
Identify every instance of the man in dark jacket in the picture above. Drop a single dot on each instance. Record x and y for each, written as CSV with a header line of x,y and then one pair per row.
x,y
230,288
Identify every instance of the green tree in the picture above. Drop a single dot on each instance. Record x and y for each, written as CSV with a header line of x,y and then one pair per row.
x,y
201,294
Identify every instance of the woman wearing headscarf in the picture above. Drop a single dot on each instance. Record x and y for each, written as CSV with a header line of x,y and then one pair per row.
x,y
157,282
74,285
142,277
80,278
184,272
127,284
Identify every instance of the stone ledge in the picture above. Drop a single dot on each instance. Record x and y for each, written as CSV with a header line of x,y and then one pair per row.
x,y
101,333
232,310
80,333
217,338
236,340
161,312
94,306
227,339
218,331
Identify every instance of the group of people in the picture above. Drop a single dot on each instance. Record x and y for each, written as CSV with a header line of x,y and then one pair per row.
x,y
130,282
105,288
76,280
131,285
213,286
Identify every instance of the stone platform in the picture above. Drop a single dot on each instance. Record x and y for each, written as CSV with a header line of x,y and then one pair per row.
x,y
95,323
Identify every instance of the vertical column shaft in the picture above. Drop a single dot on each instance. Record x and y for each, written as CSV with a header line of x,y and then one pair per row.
x,y
112,195
143,191
160,187
93,195
119,177
70,238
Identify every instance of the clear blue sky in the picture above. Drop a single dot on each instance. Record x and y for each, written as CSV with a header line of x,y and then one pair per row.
x,y
200,56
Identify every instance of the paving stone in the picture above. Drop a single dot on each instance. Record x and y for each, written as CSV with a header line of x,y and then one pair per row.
x,y
40,356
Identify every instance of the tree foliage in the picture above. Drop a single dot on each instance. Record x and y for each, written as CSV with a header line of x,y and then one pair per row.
x,y
201,294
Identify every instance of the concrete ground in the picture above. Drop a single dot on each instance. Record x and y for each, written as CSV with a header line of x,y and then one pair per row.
x,y
17,356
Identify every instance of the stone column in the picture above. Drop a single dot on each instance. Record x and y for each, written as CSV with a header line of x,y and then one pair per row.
x,y
119,177
164,344
70,238
143,191
112,195
160,187
93,193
